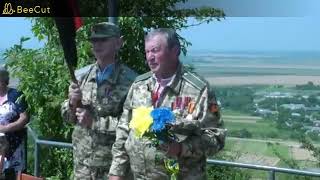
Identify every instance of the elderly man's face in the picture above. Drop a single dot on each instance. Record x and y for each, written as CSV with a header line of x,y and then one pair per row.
x,y
158,55
105,47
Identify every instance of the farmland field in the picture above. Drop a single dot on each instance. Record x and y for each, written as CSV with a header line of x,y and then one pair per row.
x,y
289,80
261,68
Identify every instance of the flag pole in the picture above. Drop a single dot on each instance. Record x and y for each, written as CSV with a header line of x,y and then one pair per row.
x,y
112,11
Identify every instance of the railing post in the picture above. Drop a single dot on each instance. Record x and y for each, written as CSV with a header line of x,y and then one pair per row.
x,y
25,146
272,175
36,160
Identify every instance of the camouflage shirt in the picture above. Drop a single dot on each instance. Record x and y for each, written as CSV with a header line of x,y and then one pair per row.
x,y
198,128
92,147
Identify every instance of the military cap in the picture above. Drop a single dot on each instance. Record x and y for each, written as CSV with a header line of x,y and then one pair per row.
x,y
104,30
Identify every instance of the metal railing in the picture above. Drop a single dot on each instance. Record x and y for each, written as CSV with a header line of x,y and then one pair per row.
x,y
37,143
272,170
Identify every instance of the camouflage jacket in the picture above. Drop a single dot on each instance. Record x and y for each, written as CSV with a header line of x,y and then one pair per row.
x,y
199,129
92,147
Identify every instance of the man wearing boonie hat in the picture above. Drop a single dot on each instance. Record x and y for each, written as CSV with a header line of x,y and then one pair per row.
x,y
95,104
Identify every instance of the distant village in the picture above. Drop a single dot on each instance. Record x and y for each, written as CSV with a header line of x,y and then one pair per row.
x,y
292,110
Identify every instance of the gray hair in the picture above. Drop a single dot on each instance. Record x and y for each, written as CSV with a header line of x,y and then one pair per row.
x,y
170,35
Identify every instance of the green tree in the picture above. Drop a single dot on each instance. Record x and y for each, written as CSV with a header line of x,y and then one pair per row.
x,y
312,99
309,86
242,133
236,98
43,77
307,144
284,116
226,172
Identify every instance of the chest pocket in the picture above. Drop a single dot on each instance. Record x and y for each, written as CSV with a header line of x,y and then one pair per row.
x,y
110,100
141,97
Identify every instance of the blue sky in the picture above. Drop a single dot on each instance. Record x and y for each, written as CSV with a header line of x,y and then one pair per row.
x,y
256,33
12,29
230,34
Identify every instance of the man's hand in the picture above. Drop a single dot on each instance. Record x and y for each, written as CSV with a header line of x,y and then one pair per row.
x,y
75,94
84,117
173,149
115,178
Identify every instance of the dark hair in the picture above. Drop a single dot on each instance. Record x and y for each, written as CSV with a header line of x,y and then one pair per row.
x,y
4,74
171,36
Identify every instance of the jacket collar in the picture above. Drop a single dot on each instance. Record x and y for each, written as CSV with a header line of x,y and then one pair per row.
x,y
112,79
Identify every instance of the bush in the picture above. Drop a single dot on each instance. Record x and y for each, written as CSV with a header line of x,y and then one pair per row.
x,y
242,133
272,134
227,172
236,98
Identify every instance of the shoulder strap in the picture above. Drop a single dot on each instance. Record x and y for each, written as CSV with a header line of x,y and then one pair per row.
x,y
143,76
193,79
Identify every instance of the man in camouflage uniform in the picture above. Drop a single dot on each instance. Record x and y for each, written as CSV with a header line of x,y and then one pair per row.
x,y
198,121
95,104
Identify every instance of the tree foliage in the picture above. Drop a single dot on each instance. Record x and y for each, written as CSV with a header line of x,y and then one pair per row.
x,y
308,86
236,98
226,172
308,145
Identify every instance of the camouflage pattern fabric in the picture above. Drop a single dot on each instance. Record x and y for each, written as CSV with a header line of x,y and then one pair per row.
x,y
84,172
199,128
92,147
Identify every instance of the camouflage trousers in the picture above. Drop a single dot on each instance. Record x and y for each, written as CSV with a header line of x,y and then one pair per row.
x,y
83,172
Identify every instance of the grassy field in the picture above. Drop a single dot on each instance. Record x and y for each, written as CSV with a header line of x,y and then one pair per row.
x,y
229,112
263,154
228,76
240,68
261,129
258,127
253,71
287,80
256,148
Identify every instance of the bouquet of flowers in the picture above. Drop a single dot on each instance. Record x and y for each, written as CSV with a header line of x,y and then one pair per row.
x,y
155,124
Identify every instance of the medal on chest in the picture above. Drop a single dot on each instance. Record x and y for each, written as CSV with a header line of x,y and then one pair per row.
x,y
106,94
